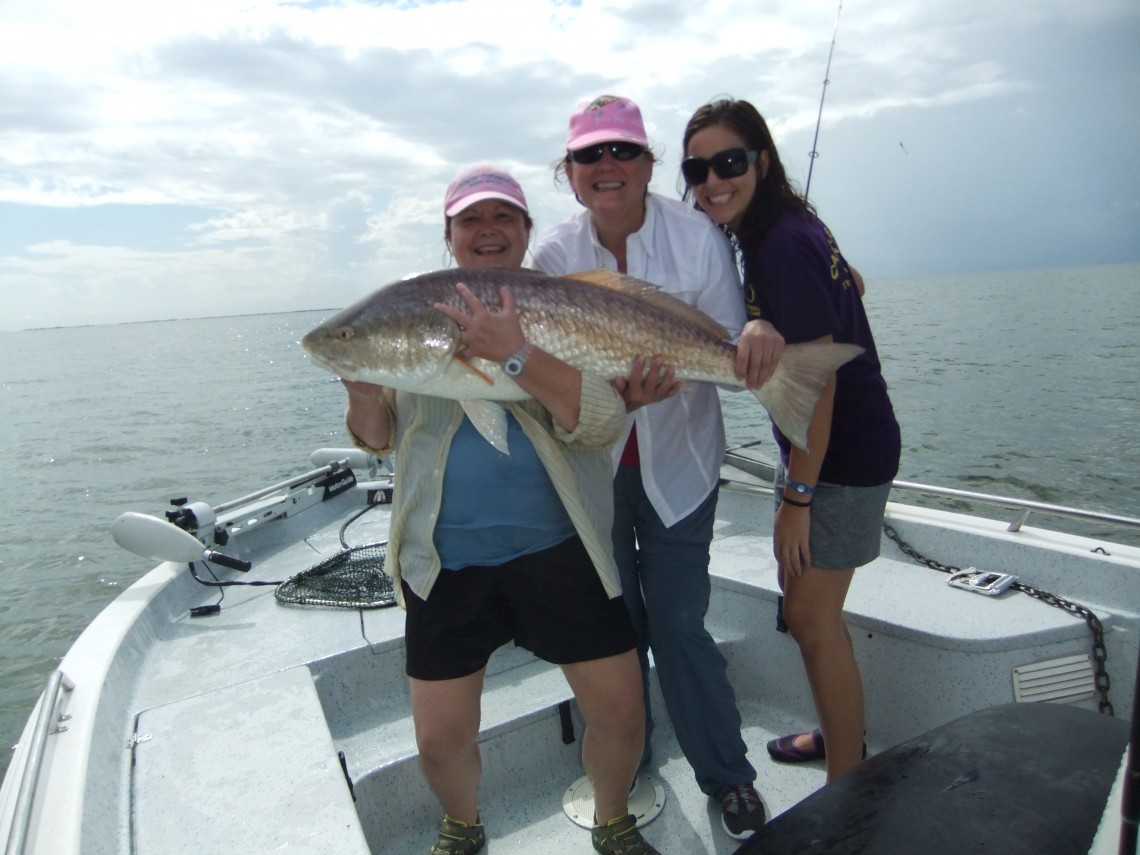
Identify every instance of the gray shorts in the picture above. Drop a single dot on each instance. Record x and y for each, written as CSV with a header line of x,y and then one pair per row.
x,y
846,523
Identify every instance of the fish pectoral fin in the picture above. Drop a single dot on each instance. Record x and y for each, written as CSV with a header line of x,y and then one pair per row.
x,y
490,419
480,374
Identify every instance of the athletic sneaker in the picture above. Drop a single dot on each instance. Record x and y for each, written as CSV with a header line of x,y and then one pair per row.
x,y
458,838
621,837
741,811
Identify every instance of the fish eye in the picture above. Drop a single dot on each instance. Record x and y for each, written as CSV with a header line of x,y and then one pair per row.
x,y
344,333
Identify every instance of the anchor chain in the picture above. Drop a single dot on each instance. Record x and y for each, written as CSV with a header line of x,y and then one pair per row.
x,y
1099,651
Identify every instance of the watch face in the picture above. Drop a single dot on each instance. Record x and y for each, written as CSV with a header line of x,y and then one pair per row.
x,y
514,364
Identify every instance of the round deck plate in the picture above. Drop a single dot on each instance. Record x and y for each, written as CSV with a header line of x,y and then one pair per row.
x,y
646,802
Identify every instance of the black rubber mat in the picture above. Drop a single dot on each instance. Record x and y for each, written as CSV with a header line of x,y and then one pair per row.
x,y
1020,778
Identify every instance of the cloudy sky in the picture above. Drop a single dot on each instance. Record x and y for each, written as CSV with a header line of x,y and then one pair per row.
x,y
182,159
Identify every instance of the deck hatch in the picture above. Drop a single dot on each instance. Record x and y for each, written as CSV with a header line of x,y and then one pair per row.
x,y
1065,680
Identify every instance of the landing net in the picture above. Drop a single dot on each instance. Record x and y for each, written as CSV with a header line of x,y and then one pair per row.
x,y
353,578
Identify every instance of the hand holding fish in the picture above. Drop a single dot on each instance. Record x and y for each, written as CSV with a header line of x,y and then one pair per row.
x,y
495,335
757,353
361,390
484,333
643,387
369,416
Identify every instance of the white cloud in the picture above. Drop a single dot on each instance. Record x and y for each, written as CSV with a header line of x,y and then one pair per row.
x,y
307,145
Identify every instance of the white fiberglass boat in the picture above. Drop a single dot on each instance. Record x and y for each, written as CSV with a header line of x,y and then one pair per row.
x,y
178,723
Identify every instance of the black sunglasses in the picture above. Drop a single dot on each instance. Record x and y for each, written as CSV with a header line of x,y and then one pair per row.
x,y
730,163
618,150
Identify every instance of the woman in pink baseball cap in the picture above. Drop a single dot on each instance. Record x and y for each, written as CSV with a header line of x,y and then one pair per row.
x,y
668,462
485,218
535,566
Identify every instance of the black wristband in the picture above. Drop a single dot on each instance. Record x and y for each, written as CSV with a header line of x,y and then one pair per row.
x,y
796,503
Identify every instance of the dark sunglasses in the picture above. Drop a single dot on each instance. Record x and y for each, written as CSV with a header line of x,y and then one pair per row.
x,y
618,150
730,163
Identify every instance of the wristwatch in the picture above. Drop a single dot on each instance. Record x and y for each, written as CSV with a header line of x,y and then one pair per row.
x,y
514,364
798,487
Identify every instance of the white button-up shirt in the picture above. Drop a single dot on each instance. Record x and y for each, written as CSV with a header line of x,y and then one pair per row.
x,y
680,440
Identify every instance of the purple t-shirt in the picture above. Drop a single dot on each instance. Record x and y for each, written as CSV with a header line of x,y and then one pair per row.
x,y
799,282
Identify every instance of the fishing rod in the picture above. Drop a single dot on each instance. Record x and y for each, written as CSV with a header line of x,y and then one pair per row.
x,y
826,74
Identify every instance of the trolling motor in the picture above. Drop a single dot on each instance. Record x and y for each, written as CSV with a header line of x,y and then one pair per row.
x,y
188,528
157,540
162,540
195,517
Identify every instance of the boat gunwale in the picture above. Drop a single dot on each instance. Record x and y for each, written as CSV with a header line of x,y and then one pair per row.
x,y
760,467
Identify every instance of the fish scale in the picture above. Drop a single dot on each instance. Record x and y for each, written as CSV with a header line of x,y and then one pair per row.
x,y
597,329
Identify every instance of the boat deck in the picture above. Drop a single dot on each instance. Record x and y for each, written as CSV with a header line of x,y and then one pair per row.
x,y
279,691
267,727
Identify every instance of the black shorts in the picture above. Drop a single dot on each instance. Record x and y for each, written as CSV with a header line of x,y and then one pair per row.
x,y
552,603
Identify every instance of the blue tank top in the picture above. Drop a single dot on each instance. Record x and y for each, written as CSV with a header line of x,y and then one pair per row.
x,y
496,507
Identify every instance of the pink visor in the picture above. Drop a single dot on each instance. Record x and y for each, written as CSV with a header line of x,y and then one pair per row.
x,y
476,183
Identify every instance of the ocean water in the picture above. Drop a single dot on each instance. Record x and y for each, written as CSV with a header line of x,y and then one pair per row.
x,y
1018,383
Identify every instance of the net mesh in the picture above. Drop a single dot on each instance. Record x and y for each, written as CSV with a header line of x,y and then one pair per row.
x,y
353,578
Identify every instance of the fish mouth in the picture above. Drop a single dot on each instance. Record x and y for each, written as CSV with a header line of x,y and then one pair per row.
x,y
324,363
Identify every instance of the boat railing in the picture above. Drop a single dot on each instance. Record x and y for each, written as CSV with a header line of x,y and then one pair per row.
x,y
761,468
1025,507
22,812
282,487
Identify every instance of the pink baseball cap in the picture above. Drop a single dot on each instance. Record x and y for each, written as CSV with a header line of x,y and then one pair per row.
x,y
608,118
479,182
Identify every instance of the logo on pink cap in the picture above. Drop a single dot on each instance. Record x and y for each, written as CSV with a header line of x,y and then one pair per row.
x,y
476,183
608,118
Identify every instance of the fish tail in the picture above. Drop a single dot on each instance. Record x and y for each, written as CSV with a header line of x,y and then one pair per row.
x,y
791,392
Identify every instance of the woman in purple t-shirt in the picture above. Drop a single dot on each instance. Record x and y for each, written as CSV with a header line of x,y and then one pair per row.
x,y
830,500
